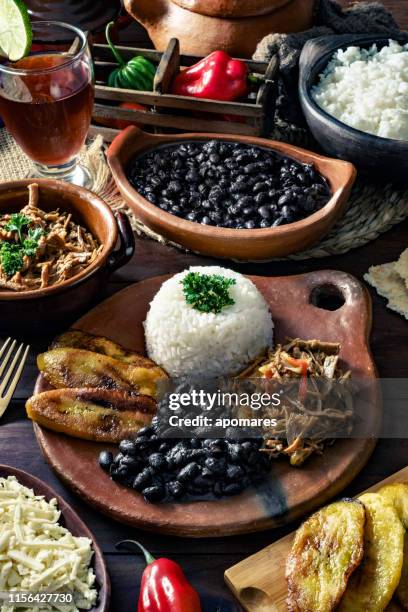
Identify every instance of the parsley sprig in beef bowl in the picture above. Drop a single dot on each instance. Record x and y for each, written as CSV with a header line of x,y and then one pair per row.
x,y
57,247
230,196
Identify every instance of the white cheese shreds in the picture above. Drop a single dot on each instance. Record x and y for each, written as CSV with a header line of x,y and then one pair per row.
x,y
37,554
367,89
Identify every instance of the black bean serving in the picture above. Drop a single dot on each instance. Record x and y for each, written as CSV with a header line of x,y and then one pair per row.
x,y
228,184
168,470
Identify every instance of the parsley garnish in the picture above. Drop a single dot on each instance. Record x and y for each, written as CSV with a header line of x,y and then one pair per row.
x,y
11,257
16,224
207,292
12,253
30,244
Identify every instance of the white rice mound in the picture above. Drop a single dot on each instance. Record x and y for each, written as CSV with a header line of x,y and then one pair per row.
x,y
185,342
367,89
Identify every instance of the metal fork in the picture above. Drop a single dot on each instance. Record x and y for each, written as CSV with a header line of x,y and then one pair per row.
x,y
15,367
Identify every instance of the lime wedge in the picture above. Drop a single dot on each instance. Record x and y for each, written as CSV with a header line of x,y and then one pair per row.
x,y
15,30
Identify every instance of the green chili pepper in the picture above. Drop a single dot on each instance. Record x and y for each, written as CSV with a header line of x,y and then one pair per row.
x,y
138,73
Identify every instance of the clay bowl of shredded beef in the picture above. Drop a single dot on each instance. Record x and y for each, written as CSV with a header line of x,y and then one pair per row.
x,y
58,245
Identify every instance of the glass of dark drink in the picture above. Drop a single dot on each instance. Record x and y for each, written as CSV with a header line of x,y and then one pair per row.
x,y
46,101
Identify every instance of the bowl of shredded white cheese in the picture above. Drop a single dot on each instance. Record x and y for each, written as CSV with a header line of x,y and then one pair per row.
x,y
45,550
354,94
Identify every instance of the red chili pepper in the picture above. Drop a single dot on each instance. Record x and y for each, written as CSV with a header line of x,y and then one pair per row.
x,y
164,586
216,77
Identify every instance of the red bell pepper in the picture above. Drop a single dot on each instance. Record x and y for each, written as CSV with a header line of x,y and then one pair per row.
x,y
164,586
216,77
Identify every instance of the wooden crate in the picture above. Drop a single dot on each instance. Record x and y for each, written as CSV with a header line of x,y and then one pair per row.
x,y
167,112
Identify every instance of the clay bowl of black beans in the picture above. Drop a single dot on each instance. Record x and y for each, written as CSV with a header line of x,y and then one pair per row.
x,y
226,196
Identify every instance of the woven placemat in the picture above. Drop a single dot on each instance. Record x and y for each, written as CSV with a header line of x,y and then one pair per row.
x,y
373,209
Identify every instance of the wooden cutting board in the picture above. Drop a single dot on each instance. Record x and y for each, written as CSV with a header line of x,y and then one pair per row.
x,y
288,492
258,582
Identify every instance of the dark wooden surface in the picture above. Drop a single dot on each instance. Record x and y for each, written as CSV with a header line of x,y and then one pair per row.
x,y
204,561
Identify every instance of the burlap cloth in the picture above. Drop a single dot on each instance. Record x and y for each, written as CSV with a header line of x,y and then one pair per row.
x,y
373,209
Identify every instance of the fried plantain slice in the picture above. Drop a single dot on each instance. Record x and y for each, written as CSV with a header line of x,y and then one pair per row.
x,y
327,549
78,368
401,594
100,415
74,338
397,495
372,586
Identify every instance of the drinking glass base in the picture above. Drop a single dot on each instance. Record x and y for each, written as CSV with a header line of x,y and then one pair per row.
x,y
71,172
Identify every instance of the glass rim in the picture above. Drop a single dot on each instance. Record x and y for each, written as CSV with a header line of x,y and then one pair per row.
x,y
28,71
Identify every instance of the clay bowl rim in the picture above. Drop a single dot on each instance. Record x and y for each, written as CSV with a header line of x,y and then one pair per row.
x,y
306,83
100,207
129,140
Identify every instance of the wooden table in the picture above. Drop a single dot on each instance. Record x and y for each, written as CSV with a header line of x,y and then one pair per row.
x,y
205,560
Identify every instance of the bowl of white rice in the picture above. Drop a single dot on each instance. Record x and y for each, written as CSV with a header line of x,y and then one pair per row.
x,y
354,94
187,341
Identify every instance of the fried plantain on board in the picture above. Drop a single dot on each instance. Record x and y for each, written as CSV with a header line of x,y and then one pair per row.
x,y
327,548
78,368
397,495
371,587
401,594
74,338
100,415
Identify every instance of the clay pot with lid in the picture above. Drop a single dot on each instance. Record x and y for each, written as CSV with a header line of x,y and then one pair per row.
x,y
203,26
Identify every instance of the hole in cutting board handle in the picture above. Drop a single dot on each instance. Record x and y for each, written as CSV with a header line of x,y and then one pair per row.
x,y
252,596
327,297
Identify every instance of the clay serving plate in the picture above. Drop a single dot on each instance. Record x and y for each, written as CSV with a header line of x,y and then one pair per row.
x,y
377,157
26,310
257,244
70,520
328,305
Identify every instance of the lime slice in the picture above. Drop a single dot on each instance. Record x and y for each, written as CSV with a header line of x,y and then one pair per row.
x,y
15,30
